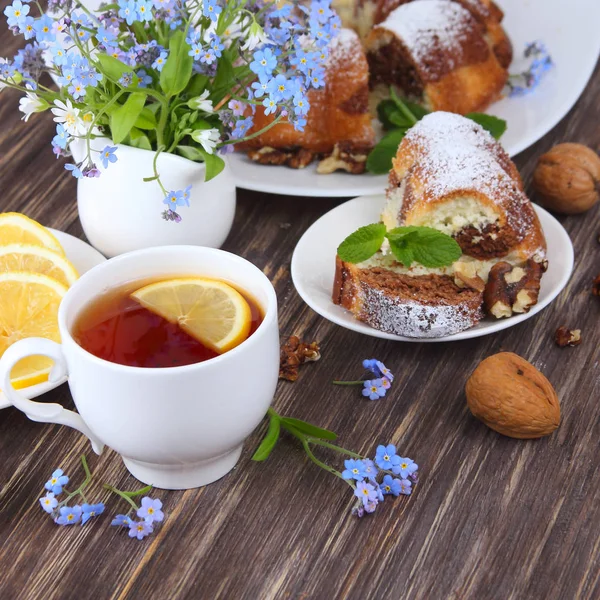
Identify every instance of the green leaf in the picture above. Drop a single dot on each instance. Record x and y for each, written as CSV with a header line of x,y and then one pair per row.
x,y
197,85
309,429
190,153
225,77
362,244
146,120
269,441
112,67
177,72
214,164
416,109
386,111
491,123
141,141
124,118
425,245
380,158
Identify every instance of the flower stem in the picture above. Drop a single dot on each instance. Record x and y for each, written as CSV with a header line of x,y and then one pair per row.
x,y
321,464
123,495
359,382
333,447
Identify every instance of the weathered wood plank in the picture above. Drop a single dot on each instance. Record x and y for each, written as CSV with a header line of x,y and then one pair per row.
x,y
491,518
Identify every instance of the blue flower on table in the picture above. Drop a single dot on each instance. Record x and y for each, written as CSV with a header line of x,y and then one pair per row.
x,y
16,13
69,515
405,467
91,510
121,521
386,457
390,485
370,469
355,469
140,529
405,487
373,388
150,510
56,482
49,502
382,371
367,494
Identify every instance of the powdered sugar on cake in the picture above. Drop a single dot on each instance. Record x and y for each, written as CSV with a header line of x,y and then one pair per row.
x,y
343,48
428,26
412,319
457,154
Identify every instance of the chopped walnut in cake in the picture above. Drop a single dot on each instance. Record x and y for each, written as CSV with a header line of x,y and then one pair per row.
x,y
346,158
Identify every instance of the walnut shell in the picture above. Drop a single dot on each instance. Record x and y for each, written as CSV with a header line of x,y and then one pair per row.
x,y
566,178
512,397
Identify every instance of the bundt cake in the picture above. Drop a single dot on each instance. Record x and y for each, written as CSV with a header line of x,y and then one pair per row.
x,y
338,129
362,15
440,54
451,175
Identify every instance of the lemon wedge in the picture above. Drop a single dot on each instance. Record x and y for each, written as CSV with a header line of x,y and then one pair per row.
x,y
16,228
211,311
29,308
37,259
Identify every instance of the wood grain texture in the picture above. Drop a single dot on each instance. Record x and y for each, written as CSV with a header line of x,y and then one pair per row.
x,y
492,518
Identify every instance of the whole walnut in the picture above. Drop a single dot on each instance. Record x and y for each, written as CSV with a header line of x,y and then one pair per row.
x,y
512,397
566,179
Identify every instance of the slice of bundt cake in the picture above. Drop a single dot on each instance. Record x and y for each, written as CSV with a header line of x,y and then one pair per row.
x,y
450,174
338,127
438,53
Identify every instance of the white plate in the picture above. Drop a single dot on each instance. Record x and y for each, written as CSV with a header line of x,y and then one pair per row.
x,y
84,257
313,268
570,32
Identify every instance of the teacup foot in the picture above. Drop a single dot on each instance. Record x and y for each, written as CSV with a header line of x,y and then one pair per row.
x,y
183,477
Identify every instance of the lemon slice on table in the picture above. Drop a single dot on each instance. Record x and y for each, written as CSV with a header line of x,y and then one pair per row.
x,y
37,259
29,308
16,228
210,311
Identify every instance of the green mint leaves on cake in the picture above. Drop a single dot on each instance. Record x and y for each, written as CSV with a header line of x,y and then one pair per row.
x,y
363,243
398,115
424,245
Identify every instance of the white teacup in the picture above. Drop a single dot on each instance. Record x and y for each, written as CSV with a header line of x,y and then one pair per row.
x,y
175,427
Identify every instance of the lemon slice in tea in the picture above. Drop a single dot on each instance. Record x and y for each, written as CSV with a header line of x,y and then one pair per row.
x,y
210,311
29,308
16,228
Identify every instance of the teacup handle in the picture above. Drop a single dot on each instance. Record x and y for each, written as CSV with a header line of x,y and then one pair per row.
x,y
38,411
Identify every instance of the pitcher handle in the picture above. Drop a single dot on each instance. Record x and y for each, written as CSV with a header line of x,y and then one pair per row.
x,y
38,411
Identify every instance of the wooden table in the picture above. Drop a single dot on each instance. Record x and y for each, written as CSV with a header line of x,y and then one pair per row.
x,y
492,517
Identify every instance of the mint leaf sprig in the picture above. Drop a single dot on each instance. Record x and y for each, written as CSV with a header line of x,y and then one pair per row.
x,y
398,115
424,245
